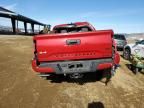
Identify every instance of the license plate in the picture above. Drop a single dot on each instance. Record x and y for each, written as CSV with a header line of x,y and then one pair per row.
x,y
75,67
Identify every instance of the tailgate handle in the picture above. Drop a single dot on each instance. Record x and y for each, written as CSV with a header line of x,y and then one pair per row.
x,y
73,42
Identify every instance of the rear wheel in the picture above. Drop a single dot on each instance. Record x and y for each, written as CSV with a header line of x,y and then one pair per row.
x,y
126,54
106,76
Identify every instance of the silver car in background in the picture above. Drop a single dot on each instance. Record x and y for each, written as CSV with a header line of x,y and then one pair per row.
x,y
120,40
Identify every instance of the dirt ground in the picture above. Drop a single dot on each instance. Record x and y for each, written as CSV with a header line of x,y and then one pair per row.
x,y
21,87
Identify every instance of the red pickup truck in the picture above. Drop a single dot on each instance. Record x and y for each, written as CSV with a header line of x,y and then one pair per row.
x,y
73,49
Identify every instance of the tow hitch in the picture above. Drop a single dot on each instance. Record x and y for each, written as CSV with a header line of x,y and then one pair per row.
x,y
76,75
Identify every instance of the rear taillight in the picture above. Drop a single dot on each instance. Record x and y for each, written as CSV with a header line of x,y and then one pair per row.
x,y
35,52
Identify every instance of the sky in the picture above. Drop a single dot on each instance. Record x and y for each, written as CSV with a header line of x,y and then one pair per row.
x,y
123,16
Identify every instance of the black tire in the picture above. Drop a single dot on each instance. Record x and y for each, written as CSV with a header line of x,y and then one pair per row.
x,y
106,76
126,54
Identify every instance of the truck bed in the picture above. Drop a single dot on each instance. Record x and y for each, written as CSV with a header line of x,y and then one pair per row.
x,y
74,46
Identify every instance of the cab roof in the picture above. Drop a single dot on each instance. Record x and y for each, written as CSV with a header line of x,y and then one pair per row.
x,y
76,24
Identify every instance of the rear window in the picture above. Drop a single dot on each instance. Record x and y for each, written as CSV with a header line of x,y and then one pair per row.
x,y
120,37
72,29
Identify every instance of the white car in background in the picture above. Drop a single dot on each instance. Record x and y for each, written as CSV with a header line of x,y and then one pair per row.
x,y
134,48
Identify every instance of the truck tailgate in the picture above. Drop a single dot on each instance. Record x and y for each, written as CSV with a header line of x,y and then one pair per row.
x,y
74,46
